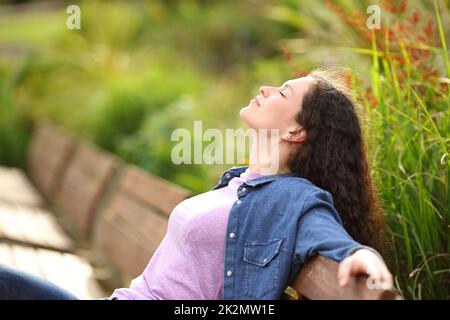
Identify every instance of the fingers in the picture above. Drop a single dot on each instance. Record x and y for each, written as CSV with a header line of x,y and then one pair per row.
x,y
344,272
375,275
386,279
348,268
379,275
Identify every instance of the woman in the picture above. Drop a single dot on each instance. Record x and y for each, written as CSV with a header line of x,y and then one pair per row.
x,y
248,236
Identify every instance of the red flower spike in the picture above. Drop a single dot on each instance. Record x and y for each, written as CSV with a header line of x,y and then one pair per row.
x,y
429,28
415,17
394,8
287,55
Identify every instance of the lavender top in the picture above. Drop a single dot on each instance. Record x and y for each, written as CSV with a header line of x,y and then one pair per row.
x,y
189,262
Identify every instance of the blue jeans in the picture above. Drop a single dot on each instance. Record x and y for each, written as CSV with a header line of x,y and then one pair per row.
x,y
17,285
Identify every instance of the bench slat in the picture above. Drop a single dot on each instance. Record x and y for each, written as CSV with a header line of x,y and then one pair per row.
x,y
50,148
15,187
143,220
55,237
69,272
6,255
10,224
155,191
84,184
317,280
25,260
32,226
124,249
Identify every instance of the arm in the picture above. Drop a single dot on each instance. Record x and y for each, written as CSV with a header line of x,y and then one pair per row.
x,y
320,232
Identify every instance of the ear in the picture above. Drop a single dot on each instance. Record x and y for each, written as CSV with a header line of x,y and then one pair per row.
x,y
298,135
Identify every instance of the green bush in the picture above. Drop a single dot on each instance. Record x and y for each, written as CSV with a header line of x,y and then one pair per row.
x,y
151,146
14,125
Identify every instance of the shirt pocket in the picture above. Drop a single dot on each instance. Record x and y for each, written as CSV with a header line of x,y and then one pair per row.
x,y
262,267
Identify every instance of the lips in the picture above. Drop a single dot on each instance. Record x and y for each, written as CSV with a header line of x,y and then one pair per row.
x,y
257,101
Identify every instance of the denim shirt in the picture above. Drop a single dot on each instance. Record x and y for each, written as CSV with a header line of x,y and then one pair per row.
x,y
275,226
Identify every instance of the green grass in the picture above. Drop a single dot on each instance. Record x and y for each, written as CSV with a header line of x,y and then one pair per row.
x,y
406,122
411,134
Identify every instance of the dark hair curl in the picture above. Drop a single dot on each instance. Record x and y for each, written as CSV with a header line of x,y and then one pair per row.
x,y
333,157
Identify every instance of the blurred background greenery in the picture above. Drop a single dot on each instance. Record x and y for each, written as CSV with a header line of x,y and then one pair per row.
x,y
137,70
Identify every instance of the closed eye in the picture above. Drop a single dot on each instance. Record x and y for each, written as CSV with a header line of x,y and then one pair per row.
x,y
283,87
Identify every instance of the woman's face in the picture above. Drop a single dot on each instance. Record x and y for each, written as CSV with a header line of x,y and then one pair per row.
x,y
277,107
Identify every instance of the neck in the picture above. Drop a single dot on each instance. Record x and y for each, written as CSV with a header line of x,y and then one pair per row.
x,y
268,154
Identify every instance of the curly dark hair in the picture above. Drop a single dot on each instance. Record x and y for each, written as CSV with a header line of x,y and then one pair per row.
x,y
333,157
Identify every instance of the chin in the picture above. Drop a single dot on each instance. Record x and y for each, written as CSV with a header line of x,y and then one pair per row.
x,y
242,112
245,115
250,116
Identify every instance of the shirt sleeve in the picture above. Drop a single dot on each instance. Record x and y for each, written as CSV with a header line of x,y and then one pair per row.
x,y
320,231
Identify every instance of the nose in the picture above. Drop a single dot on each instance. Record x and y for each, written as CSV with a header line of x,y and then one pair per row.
x,y
264,90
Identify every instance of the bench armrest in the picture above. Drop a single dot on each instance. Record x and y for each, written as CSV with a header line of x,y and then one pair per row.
x,y
317,280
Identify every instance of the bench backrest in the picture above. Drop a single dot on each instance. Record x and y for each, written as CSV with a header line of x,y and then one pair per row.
x,y
317,280
50,149
135,220
83,186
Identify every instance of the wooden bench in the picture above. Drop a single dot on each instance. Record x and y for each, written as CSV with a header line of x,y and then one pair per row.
x,y
135,222
122,211
89,173
31,238
73,177
15,187
317,280
32,226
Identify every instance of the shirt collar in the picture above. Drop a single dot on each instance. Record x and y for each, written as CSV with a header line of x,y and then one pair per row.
x,y
237,171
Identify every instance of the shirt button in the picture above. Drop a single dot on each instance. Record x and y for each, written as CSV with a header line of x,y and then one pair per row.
x,y
243,189
227,175
238,202
229,273
232,235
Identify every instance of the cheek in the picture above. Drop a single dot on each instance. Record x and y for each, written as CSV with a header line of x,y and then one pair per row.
x,y
281,116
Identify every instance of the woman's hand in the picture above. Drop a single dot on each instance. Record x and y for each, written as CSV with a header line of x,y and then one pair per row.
x,y
364,261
